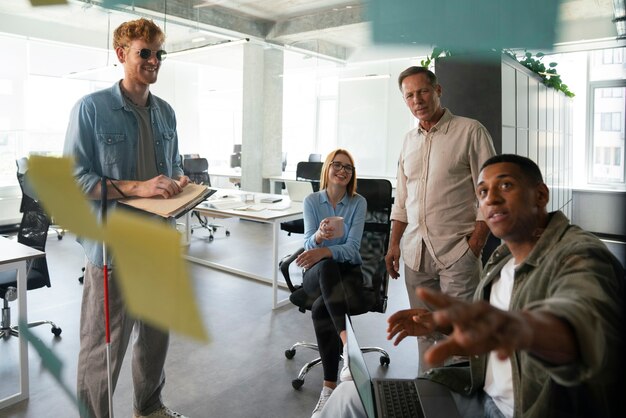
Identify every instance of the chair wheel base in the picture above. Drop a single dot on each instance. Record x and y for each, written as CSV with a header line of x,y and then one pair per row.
x,y
297,383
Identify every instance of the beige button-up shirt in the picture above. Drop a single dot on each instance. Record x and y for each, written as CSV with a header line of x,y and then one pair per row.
x,y
435,195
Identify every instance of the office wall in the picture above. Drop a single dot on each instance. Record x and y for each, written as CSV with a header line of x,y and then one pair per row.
x,y
372,117
602,212
522,115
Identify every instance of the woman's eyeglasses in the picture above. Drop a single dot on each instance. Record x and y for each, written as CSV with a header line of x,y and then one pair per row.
x,y
146,53
337,166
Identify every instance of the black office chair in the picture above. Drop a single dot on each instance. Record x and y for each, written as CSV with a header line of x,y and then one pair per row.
x,y
374,245
33,232
305,171
197,169
22,167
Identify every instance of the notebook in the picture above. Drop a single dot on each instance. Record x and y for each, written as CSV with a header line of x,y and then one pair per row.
x,y
298,190
426,399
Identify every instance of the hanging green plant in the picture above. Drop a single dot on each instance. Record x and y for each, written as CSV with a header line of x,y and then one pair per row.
x,y
548,74
430,59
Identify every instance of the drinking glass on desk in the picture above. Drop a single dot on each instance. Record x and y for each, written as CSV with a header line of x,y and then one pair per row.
x,y
247,197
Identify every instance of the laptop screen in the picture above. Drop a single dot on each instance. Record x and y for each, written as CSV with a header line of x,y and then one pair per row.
x,y
298,190
360,374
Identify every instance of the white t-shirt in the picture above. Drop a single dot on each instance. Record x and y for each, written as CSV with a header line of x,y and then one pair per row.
x,y
499,376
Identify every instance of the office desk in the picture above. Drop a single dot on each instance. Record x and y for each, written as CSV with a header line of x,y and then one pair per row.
x,y
275,181
268,215
231,175
13,256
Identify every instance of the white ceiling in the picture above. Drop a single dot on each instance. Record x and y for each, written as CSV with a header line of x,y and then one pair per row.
x,y
336,28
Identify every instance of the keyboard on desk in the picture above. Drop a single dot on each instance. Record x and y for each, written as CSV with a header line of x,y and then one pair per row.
x,y
399,399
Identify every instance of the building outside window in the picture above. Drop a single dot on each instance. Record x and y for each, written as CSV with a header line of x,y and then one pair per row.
x,y
607,118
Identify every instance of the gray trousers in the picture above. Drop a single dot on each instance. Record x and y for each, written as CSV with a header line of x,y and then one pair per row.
x,y
148,357
345,403
459,280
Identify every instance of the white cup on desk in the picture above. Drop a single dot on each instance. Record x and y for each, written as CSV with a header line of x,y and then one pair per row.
x,y
335,222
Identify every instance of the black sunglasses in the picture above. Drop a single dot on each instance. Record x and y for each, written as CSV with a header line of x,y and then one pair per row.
x,y
146,53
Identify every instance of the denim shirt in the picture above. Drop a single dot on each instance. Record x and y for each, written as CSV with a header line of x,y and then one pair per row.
x,y
346,248
102,137
571,274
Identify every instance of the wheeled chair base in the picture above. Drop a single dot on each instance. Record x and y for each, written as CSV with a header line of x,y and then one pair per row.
x,y
299,381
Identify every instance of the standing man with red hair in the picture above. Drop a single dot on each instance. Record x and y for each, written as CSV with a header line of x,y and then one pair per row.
x,y
128,136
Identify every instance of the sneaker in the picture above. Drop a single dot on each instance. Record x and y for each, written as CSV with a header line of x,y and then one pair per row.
x,y
162,412
345,374
326,392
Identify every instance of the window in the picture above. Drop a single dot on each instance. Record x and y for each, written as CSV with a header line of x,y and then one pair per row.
x,y
608,107
612,56
611,121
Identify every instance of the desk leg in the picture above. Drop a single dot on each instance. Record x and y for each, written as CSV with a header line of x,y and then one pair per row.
x,y
22,317
22,343
275,230
275,234
187,233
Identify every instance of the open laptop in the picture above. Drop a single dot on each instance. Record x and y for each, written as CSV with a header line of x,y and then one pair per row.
x,y
298,190
425,399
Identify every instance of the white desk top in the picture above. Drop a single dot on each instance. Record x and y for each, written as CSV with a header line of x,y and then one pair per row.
x,y
291,175
252,210
12,251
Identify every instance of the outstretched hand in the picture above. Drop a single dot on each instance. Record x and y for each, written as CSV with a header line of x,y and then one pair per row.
x,y
477,328
410,322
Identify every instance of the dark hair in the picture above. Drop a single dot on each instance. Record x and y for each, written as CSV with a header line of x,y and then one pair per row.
x,y
432,78
141,28
528,166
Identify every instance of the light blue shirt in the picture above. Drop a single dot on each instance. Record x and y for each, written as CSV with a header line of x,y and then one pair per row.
x,y
352,209
102,136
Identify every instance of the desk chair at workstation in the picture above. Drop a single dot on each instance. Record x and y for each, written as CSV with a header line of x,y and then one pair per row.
x,y
33,232
374,246
22,167
305,171
197,169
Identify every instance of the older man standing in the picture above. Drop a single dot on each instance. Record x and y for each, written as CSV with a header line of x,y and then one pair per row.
x,y
435,210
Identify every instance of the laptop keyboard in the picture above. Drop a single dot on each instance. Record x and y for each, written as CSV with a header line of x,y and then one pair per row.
x,y
399,399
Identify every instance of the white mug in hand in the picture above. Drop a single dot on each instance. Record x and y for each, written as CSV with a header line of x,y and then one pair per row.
x,y
336,222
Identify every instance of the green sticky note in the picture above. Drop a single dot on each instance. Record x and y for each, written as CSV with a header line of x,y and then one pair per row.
x,y
47,2
465,25
53,364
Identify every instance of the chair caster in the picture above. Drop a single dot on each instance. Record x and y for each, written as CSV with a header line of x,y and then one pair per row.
x,y
56,331
297,383
211,238
228,233
289,354
384,361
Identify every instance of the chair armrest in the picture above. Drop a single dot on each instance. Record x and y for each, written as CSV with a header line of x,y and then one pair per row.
x,y
283,265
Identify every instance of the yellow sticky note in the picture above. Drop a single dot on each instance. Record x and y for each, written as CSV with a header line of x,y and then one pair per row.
x,y
153,275
61,197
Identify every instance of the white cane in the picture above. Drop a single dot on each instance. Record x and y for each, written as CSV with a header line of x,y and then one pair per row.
x,y
103,203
